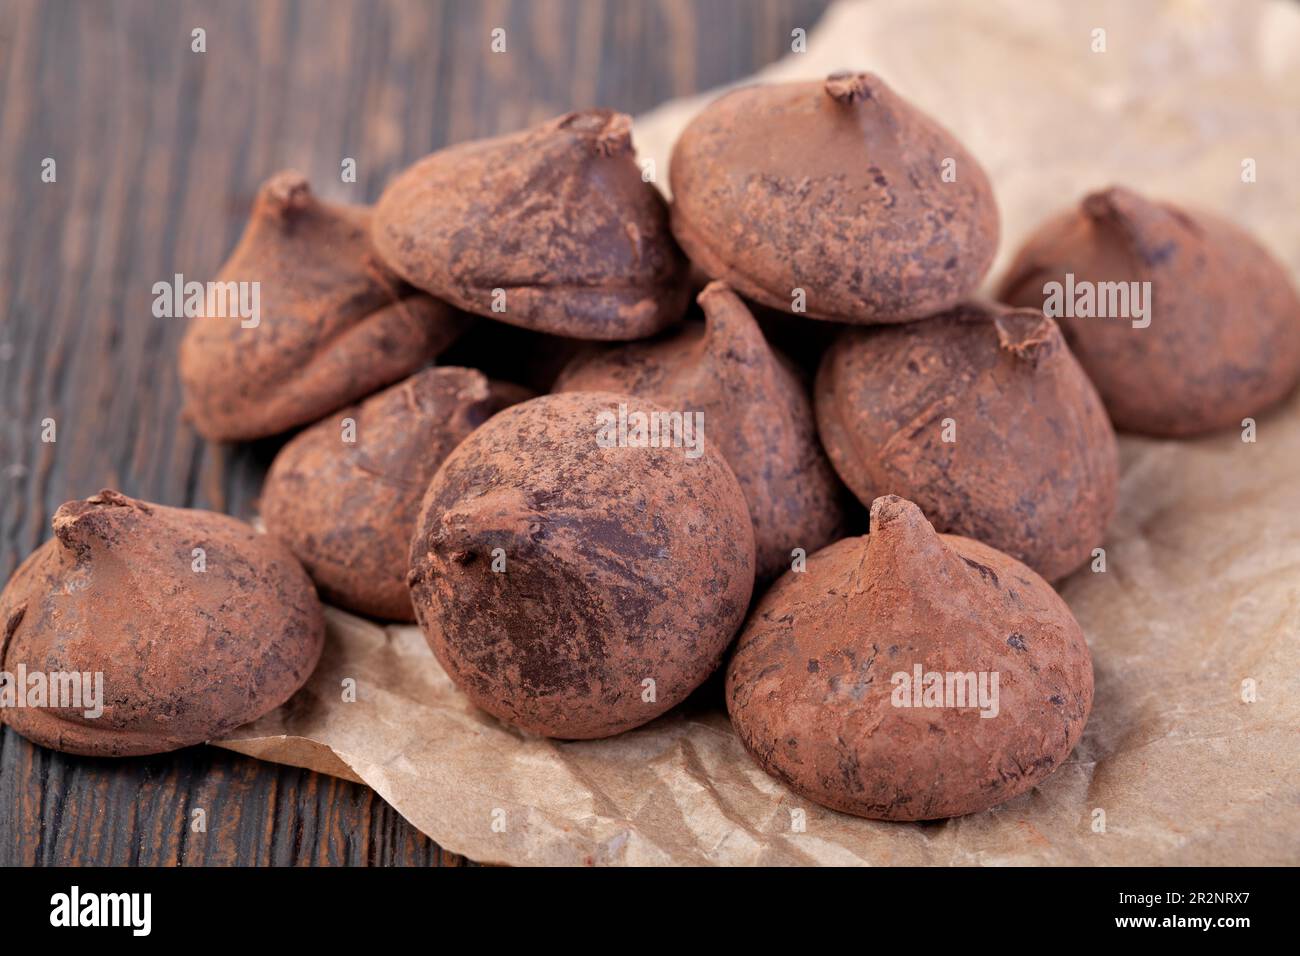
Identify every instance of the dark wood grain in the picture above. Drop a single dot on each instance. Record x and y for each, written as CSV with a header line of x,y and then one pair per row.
x,y
159,151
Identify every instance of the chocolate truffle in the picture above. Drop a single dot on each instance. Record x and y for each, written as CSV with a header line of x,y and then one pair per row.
x,y
552,229
197,623
755,408
331,326
576,577
908,675
1214,337
841,189
982,417
345,493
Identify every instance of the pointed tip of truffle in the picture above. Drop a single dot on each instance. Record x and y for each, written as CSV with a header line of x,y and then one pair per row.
x,y
1150,230
893,512
721,304
610,131
477,399
1112,202
115,499
498,519
77,523
900,530
716,291
433,390
285,194
1027,334
848,87
731,331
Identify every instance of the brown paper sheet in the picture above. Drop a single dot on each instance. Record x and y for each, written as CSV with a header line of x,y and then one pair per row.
x,y
1202,588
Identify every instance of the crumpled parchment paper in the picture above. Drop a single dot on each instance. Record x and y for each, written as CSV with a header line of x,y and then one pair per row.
x,y
1201,596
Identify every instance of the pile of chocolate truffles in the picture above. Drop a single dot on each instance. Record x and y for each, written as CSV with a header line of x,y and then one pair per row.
x,y
601,495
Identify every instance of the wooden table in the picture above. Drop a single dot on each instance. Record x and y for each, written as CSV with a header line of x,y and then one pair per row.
x,y
158,150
